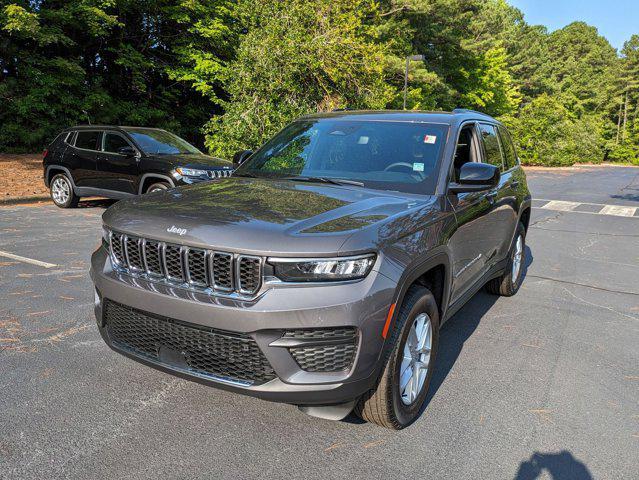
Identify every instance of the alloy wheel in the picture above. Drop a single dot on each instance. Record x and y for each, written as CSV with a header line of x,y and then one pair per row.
x,y
416,358
61,190
517,258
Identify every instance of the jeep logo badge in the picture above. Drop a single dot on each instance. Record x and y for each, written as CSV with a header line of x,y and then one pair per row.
x,y
174,229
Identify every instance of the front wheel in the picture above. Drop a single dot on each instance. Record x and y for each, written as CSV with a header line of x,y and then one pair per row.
x,y
158,187
62,192
510,281
401,391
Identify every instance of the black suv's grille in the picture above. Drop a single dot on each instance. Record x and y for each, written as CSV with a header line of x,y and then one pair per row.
x,y
219,271
200,350
324,349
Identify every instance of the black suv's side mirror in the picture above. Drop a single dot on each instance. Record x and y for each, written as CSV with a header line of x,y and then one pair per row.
x,y
475,177
240,157
127,151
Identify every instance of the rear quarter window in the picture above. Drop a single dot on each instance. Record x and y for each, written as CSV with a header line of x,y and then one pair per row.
x,y
88,140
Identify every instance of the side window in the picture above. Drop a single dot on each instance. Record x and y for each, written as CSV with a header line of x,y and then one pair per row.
x,y
491,145
465,150
113,142
88,140
510,157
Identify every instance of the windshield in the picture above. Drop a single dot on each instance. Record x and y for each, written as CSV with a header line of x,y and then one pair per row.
x,y
160,142
380,154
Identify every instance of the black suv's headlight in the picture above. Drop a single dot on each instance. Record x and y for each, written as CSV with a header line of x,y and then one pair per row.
x,y
191,172
322,269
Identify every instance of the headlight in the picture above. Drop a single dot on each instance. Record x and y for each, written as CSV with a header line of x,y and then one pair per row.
x,y
322,269
190,172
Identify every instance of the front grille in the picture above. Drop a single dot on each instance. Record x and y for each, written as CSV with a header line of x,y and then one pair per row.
x,y
248,274
219,173
324,349
201,350
133,255
198,268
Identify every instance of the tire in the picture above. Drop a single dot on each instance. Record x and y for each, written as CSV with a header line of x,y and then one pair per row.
x,y
508,284
384,405
156,187
61,190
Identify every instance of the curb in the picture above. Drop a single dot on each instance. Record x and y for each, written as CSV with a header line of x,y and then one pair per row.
x,y
23,200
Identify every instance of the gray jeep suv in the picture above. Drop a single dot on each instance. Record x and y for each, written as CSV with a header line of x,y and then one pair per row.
x,y
320,273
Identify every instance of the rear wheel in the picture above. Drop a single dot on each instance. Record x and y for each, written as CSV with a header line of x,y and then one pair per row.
x,y
157,187
510,281
399,396
62,192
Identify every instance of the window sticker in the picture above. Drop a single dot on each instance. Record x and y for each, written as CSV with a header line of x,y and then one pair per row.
x,y
362,140
430,139
418,167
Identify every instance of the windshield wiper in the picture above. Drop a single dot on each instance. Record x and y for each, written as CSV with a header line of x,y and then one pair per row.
x,y
333,181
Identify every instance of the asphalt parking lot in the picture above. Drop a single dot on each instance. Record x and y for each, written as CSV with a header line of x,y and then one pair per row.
x,y
541,385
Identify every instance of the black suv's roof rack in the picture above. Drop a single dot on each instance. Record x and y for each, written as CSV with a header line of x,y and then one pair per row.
x,y
468,110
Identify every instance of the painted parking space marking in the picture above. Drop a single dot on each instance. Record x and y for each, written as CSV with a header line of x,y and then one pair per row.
x,y
586,207
561,205
30,261
618,211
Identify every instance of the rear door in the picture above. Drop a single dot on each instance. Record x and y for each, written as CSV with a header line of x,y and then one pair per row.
x,y
82,158
500,223
118,172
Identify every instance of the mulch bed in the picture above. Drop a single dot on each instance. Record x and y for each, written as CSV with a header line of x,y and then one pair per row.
x,y
21,176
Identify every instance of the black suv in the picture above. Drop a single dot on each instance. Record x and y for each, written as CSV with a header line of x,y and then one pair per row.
x,y
120,162
320,273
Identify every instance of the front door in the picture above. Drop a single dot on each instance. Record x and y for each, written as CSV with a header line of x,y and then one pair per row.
x,y
118,172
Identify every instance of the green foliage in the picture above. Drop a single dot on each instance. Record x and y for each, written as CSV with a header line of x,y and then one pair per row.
x,y
230,73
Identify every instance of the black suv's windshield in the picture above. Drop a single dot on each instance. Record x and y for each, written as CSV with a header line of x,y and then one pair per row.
x,y
160,142
380,154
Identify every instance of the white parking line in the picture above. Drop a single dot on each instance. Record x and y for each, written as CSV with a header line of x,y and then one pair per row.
x,y
618,211
27,260
561,205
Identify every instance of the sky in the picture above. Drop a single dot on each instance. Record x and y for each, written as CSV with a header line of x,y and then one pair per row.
x,y
616,20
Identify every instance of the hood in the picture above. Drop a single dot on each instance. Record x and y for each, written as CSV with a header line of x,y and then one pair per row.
x,y
193,160
263,217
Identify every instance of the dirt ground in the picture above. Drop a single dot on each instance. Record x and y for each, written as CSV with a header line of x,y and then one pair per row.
x,y
21,175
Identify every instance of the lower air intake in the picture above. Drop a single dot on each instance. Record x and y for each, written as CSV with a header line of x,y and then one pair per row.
x,y
203,351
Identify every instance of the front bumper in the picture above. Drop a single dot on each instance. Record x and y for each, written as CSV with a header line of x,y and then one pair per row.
x,y
265,319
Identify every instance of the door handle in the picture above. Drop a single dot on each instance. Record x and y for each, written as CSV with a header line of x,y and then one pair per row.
x,y
515,183
491,197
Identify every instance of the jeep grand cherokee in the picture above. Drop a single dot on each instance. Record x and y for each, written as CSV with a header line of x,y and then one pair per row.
x,y
320,273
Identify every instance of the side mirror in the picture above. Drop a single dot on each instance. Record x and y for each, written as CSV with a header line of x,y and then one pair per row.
x,y
127,151
240,157
476,177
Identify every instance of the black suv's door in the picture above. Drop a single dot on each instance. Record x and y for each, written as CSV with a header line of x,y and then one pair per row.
x,y
82,157
468,245
118,171
503,215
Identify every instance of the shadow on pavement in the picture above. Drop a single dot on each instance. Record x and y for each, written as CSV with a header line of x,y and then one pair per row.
x,y
96,203
560,466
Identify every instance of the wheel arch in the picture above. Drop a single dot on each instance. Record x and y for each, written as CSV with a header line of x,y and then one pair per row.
x,y
53,170
149,178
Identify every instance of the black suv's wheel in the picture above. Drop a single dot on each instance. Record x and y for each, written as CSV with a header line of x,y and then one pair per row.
x,y
156,187
398,399
508,284
61,190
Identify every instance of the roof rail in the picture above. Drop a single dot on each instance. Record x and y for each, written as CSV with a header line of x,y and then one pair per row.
x,y
468,110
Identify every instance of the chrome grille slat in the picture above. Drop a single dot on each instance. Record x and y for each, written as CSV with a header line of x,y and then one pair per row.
x,y
210,271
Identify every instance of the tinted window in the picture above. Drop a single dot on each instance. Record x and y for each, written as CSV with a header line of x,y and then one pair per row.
x,y
87,140
114,142
491,145
510,157
160,142
386,155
